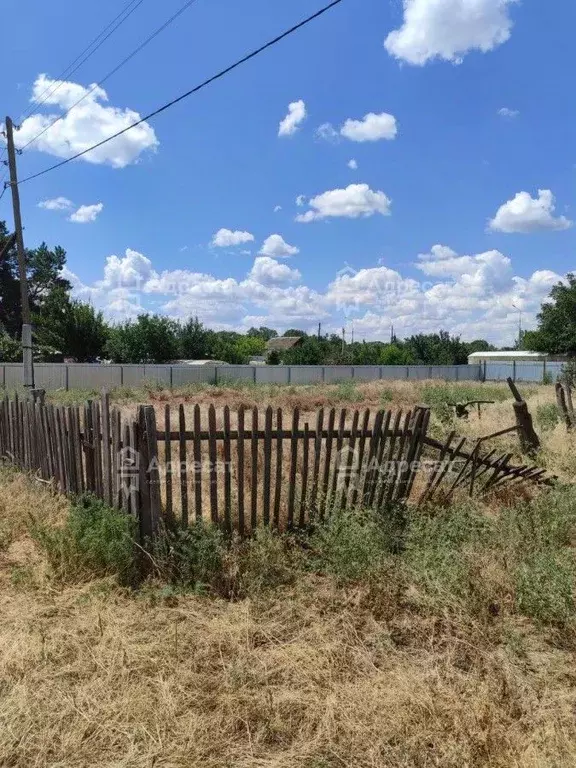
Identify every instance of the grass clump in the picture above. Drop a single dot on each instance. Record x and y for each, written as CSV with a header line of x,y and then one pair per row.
x,y
547,415
192,559
352,546
95,540
348,391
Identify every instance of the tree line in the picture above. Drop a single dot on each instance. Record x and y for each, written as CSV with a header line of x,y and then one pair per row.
x,y
65,327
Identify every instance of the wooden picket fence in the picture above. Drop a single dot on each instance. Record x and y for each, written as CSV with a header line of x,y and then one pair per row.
x,y
241,469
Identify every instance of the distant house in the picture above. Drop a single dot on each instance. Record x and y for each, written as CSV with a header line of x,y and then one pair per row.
x,y
282,343
520,356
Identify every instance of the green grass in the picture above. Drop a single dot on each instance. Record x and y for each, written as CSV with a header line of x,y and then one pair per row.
x,y
95,540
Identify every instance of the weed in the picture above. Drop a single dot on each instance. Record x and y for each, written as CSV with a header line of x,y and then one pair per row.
x,y
355,545
547,415
192,558
95,540
348,391
6,535
267,560
386,396
22,577
545,587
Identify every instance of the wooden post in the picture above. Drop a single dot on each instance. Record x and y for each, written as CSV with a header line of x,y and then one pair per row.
x,y
150,503
561,404
529,440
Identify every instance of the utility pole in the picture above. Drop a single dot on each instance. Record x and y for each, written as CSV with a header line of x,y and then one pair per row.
x,y
343,339
319,330
352,331
26,319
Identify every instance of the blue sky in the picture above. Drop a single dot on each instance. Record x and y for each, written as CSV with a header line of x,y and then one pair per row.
x,y
472,122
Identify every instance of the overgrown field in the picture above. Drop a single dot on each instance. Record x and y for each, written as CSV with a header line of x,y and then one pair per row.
x,y
437,638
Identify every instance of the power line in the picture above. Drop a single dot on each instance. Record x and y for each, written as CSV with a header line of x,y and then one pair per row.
x,y
113,71
98,41
197,88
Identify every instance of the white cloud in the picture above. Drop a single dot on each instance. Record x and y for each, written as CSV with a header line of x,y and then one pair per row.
x,y
527,214
296,114
353,202
87,124
226,238
86,213
327,132
133,270
507,113
353,164
470,295
449,29
267,271
56,204
372,127
278,248
277,208
300,200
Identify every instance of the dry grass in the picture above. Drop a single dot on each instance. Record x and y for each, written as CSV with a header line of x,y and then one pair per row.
x,y
318,675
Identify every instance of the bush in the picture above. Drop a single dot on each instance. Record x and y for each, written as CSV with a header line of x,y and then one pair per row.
x,y
547,415
545,587
348,391
267,560
355,545
95,540
191,558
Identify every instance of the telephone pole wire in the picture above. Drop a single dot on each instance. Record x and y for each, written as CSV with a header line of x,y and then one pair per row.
x,y
26,319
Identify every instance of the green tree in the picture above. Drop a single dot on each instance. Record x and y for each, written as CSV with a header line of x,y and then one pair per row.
x,y
44,274
195,340
556,331
72,327
395,354
263,333
148,339
294,332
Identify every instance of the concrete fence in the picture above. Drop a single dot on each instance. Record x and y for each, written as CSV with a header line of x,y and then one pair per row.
x,y
92,376
89,376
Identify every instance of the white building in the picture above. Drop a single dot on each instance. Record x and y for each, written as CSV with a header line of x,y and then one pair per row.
x,y
521,356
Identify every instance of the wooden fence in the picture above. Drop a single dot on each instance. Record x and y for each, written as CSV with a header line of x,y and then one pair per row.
x,y
244,468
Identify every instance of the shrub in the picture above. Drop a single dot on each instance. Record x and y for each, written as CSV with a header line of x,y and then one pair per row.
x,y
547,415
193,557
265,561
545,587
355,545
348,391
95,540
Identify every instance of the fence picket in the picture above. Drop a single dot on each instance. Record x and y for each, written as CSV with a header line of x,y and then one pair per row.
x,y
396,463
97,440
279,459
183,464
254,471
212,457
267,465
240,478
168,463
197,446
350,456
293,467
89,447
69,436
317,457
338,456
105,448
327,458
227,473
116,435
361,449
78,450
304,482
